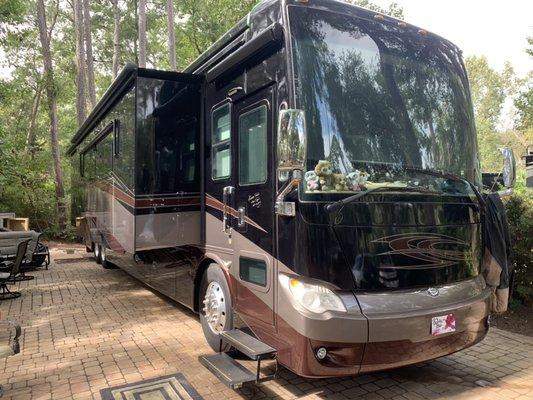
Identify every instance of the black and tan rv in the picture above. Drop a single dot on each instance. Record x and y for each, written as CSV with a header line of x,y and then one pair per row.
x,y
310,186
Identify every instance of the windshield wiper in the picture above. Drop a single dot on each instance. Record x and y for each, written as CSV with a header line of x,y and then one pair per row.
x,y
339,205
448,175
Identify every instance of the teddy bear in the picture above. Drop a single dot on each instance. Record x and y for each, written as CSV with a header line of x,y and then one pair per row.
x,y
341,184
357,180
311,181
353,180
325,175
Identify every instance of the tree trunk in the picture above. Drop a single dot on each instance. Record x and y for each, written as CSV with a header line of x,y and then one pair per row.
x,y
89,51
80,62
171,35
116,37
48,80
142,33
30,136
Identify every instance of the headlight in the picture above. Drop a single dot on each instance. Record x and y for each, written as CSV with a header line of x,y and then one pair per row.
x,y
314,298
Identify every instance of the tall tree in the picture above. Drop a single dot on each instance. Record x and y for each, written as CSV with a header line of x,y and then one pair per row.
x,y
87,35
45,35
171,35
80,62
142,33
116,36
31,134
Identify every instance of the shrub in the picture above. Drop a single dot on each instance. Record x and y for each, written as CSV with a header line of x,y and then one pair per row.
x,y
520,216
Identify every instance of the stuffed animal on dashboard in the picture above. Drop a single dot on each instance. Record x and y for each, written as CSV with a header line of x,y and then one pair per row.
x,y
311,181
325,175
341,184
363,178
353,180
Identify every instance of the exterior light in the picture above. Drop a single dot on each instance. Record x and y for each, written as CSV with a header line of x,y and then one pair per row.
x,y
321,353
315,298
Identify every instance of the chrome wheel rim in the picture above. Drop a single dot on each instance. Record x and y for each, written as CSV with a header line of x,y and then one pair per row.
x,y
215,307
102,253
96,251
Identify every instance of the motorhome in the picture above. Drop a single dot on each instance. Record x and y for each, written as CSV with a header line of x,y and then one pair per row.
x,y
310,185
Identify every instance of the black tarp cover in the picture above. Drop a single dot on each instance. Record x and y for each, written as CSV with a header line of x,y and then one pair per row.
x,y
497,238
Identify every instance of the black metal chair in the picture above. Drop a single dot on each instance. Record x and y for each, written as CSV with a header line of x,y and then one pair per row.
x,y
9,271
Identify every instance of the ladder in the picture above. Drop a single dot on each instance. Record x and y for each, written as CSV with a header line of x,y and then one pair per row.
x,y
231,372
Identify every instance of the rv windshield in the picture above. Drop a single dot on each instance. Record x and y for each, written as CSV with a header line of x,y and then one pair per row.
x,y
383,104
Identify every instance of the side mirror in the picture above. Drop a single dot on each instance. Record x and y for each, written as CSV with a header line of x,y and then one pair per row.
x,y
506,178
291,140
509,167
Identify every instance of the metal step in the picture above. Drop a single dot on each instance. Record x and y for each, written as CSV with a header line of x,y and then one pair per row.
x,y
248,345
229,371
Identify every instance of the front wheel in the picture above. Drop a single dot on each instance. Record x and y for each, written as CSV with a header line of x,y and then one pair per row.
x,y
216,313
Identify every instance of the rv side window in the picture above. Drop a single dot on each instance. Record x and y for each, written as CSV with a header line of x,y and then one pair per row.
x,y
253,146
253,271
87,163
221,142
104,156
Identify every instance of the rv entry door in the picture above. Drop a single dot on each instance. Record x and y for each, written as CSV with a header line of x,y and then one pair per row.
x,y
253,223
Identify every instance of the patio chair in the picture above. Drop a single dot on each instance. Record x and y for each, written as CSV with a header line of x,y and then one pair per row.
x,y
10,270
9,344
37,253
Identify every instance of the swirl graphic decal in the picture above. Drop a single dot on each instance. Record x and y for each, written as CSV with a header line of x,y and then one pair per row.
x,y
425,250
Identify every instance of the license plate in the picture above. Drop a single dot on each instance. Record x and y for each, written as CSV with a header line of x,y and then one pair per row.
x,y
443,324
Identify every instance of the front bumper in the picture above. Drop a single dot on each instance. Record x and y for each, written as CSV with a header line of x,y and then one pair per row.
x,y
391,330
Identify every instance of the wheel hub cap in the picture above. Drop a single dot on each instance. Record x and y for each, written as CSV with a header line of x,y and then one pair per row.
x,y
215,307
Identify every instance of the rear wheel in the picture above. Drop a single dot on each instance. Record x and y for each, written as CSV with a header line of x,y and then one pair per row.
x,y
97,253
216,313
103,257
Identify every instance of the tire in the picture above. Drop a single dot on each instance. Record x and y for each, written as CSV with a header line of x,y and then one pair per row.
x,y
103,257
215,287
98,253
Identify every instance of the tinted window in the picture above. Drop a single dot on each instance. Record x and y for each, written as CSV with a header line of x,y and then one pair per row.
x,y
124,114
253,271
104,155
221,142
252,146
167,137
88,163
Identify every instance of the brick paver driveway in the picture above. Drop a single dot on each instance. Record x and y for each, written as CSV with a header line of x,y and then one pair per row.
x,y
86,328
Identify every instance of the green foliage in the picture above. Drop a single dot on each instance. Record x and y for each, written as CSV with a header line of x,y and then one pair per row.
x,y
520,216
524,106
12,11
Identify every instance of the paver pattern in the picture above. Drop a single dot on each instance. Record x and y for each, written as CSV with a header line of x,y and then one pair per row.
x,y
86,328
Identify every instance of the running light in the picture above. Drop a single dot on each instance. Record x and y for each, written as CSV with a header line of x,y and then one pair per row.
x,y
315,298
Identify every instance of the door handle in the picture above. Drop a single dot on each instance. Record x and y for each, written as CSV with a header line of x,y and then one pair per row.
x,y
227,194
241,220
